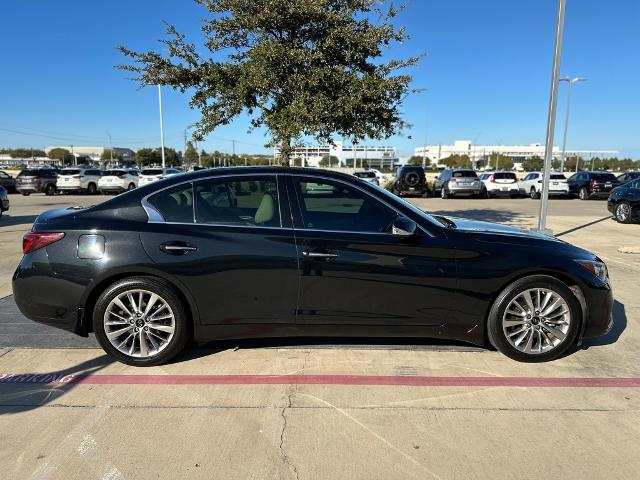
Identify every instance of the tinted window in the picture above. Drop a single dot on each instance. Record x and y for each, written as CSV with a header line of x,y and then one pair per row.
x,y
245,201
70,171
604,177
466,174
29,173
175,204
365,174
152,171
557,176
505,176
113,173
335,206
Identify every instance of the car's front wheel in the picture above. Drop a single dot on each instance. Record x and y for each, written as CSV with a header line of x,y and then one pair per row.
x,y
535,319
623,212
141,321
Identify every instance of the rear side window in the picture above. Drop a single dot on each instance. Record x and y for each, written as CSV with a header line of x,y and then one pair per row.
x,y
175,204
245,202
334,206
468,174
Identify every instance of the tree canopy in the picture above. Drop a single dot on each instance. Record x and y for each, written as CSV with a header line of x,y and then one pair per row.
x,y
329,161
417,160
58,154
153,156
297,67
190,155
106,155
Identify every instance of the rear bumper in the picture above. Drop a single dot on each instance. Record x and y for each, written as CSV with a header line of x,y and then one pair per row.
x,y
28,188
111,188
70,188
464,191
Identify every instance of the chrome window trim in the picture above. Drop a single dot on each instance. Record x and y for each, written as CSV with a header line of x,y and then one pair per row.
x,y
154,216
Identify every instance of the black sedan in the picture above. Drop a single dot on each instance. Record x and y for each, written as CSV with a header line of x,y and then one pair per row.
x,y
624,202
278,252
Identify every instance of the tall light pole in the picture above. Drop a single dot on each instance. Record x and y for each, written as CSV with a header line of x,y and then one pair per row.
x,y
551,118
161,125
110,150
570,82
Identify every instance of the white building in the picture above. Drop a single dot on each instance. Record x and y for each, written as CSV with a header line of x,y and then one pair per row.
x,y
349,155
94,153
517,153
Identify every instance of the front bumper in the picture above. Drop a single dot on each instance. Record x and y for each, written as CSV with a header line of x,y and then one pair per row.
x,y
599,311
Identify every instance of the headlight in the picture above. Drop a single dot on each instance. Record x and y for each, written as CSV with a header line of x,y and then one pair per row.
x,y
599,269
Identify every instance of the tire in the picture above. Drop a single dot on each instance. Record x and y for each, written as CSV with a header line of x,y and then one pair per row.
x,y
623,212
583,194
443,193
550,346
131,186
533,194
132,352
26,194
49,189
91,189
412,179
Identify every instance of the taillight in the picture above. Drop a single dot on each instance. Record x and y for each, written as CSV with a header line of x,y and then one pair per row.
x,y
453,180
33,241
594,182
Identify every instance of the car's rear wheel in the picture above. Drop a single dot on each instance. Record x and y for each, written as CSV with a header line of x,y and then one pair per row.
x,y
49,189
535,319
26,194
131,186
623,212
92,189
583,194
533,194
141,321
443,192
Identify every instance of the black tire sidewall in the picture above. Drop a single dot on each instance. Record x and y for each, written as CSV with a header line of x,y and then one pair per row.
x,y
182,332
494,321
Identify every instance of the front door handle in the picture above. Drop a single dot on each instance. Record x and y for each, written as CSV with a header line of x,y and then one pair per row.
x,y
319,255
177,248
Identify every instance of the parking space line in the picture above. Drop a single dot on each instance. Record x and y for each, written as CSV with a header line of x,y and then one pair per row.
x,y
354,380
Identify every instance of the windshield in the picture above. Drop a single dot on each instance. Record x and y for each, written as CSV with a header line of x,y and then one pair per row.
x,y
504,176
70,171
113,173
152,171
28,173
604,177
557,176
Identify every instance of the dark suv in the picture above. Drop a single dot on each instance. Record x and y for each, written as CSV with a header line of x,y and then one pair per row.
x,y
37,180
458,181
410,180
592,184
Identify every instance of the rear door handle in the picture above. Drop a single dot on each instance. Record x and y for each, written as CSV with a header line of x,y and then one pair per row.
x,y
177,248
319,255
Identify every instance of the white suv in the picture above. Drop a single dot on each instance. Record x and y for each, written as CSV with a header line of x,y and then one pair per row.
x,y
79,179
148,175
118,180
532,184
500,183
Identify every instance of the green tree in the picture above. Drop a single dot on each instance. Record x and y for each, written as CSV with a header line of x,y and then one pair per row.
x,y
190,156
329,161
417,160
297,67
533,164
58,154
457,161
26,153
106,155
153,156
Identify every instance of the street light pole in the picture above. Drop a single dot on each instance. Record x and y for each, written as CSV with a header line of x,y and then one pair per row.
x,y
161,125
551,118
570,82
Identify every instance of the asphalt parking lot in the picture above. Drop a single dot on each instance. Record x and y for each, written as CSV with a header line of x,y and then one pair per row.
x,y
353,410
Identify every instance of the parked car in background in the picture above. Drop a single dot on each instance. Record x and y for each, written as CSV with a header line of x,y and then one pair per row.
x,y
79,180
627,177
624,202
457,182
7,181
367,175
589,185
4,200
531,184
410,180
148,175
35,180
500,183
118,180
251,252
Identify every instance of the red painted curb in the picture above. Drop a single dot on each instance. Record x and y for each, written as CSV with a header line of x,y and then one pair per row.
x,y
407,381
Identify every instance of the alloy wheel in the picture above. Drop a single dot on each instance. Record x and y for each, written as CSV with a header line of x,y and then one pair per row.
x,y
139,323
536,321
623,211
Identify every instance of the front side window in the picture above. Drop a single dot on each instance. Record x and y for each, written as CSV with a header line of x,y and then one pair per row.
x,y
334,206
241,201
175,204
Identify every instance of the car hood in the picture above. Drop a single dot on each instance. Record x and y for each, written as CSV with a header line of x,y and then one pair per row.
x,y
463,224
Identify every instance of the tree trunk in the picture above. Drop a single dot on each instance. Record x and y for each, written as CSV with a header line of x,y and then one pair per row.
x,y
285,153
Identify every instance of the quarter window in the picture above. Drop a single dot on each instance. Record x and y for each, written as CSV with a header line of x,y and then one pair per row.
x,y
246,201
334,206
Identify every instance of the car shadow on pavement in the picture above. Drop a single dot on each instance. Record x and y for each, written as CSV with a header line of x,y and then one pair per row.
x,y
619,326
580,227
8,220
489,215
28,391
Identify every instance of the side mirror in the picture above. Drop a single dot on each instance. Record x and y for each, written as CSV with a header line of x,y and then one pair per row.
x,y
403,227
